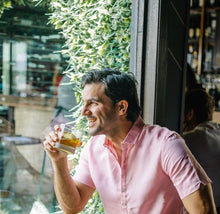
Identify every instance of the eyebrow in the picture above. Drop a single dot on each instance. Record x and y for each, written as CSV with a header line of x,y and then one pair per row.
x,y
94,99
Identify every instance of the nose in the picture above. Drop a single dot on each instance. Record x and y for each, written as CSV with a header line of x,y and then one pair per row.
x,y
84,110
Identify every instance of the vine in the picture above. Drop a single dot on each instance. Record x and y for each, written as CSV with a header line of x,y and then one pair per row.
x,y
97,35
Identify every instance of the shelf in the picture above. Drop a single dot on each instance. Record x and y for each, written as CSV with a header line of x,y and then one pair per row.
x,y
3,35
39,50
36,102
3,22
212,9
22,37
43,44
40,82
42,61
198,10
34,26
39,71
201,51
212,72
195,12
193,40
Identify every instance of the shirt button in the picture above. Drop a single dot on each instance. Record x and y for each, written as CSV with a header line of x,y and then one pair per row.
x,y
124,204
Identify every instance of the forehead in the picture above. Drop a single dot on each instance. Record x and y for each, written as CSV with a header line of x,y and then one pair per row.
x,y
93,90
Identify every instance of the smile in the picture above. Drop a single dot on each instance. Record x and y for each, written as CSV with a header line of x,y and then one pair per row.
x,y
91,121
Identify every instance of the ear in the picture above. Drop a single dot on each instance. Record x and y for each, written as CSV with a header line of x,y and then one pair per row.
x,y
190,115
121,107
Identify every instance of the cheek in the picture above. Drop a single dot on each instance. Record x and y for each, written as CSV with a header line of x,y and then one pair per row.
x,y
103,113
97,112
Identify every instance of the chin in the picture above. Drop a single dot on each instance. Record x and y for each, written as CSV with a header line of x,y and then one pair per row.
x,y
94,132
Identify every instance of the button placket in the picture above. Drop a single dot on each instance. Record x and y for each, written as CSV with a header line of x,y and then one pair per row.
x,y
123,176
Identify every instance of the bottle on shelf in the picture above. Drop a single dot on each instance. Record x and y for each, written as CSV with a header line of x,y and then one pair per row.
x,y
200,3
191,31
208,60
194,63
190,54
197,32
194,28
213,27
212,3
196,4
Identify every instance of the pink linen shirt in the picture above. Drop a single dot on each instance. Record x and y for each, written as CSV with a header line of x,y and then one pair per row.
x,y
156,172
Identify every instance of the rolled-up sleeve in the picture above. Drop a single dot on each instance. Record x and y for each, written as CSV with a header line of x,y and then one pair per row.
x,y
182,168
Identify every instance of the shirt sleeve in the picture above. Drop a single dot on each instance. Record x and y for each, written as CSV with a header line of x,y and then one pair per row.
x,y
82,173
182,168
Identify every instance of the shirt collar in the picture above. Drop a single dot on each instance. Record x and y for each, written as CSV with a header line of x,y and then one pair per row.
x,y
135,131
132,135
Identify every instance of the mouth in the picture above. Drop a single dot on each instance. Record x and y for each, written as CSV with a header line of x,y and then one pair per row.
x,y
91,121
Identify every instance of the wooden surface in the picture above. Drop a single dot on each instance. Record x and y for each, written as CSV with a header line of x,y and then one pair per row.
x,y
37,102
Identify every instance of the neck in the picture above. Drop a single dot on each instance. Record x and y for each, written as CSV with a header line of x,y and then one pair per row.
x,y
119,134
118,138
189,125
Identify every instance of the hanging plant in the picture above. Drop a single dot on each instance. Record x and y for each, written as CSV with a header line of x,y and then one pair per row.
x,y
97,35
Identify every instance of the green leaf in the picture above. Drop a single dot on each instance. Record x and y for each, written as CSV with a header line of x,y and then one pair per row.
x,y
97,34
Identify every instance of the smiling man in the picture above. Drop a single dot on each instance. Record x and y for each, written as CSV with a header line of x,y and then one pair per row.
x,y
136,168
98,110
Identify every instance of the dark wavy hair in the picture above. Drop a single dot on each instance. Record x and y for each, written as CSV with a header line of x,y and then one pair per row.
x,y
118,86
202,103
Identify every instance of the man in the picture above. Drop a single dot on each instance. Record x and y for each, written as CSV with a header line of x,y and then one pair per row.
x,y
202,135
136,168
191,81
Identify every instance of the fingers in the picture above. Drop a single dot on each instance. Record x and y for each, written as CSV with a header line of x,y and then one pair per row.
x,y
50,141
57,128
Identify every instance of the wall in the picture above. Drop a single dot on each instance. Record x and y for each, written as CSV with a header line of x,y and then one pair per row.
x,y
216,117
31,122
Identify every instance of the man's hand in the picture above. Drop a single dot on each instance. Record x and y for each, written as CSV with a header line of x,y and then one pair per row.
x,y
49,143
71,195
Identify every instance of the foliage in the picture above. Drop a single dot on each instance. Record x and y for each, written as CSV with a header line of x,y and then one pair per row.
x,y
97,35
6,4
